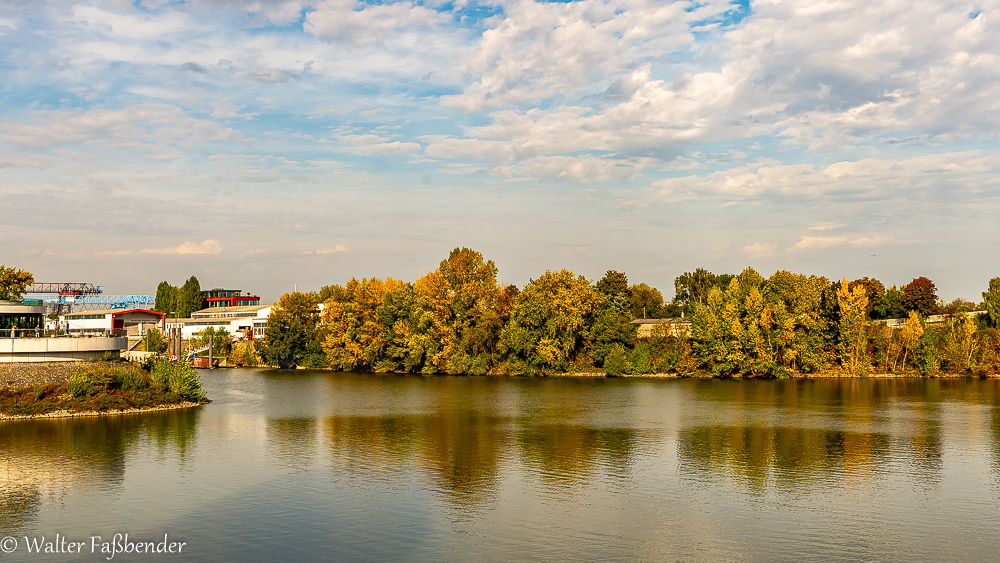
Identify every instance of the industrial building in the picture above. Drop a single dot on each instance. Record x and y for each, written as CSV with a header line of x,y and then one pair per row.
x,y
134,322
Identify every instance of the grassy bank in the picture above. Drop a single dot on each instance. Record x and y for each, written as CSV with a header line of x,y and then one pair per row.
x,y
107,386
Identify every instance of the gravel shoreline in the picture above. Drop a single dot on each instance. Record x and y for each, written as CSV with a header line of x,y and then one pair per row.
x,y
20,375
68,414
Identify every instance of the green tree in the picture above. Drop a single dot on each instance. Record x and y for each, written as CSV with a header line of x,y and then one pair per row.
x,y
154,341
991,300
14,282
613,283
291,332
189,298
920,295
220,338
646,302
893,306
691,288
166,298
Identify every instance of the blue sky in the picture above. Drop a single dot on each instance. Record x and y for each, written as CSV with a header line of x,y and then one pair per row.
x,y
269,145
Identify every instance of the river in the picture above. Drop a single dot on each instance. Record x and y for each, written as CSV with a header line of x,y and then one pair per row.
x,y
321,466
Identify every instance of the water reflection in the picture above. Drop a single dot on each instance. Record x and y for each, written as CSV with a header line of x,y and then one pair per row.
x,y
55,457
292,440
327,466
796,434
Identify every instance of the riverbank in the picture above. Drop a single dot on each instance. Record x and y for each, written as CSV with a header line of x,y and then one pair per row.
x,y
110,412
707,375
19,375
109,387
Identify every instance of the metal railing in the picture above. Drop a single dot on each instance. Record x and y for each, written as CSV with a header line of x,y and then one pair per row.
x,y
43,333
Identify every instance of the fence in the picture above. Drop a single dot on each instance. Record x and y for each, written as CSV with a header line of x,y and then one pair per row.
x,y
43,333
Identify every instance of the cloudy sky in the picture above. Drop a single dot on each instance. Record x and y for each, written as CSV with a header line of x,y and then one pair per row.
x,y
266,145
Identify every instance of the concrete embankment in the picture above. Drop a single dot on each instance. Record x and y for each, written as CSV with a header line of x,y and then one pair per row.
x,y
26,374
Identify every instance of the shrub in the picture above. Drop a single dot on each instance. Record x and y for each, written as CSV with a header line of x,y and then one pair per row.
x,y
131,378
642,360
180,379
80,384
617,361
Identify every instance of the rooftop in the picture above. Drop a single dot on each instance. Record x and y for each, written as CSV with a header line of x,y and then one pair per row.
x,y
244,310
113,311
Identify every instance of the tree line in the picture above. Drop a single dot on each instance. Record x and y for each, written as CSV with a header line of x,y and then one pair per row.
x,y
181,301
459,319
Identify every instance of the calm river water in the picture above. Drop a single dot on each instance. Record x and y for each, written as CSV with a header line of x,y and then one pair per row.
x,y
320,466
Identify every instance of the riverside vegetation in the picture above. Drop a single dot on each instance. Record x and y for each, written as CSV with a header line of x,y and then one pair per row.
x,y
458,319
109,385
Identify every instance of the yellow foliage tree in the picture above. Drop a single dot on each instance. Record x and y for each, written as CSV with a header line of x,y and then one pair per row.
x,y
853,328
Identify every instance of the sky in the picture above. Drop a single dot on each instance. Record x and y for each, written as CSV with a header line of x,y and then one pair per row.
x,y
279,145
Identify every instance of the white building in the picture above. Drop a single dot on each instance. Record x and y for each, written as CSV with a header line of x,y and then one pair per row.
x,y
134,322
235,320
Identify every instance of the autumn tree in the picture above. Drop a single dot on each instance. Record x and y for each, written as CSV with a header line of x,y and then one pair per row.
x,y
875,293
734,330
462,295
920,295
796,301
14,282
549,324
853,345
355,335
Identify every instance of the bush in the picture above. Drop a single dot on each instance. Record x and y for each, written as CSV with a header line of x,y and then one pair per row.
x,y
180,379
131,378
617,361
80,385
642,360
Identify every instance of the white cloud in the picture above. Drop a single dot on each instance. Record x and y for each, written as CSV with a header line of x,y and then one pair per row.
x,y
357,24
825,226
328,250
207,246
758,250
810,242
132,127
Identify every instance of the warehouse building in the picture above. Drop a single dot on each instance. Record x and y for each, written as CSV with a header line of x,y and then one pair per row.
x,y
133,322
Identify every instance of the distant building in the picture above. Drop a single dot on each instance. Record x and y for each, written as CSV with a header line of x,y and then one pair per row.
x,y
235,320
23,314
218,297
134,321
679,327
930,319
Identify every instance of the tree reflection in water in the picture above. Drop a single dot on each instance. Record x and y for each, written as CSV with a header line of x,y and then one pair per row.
x,y
795,434
48,458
